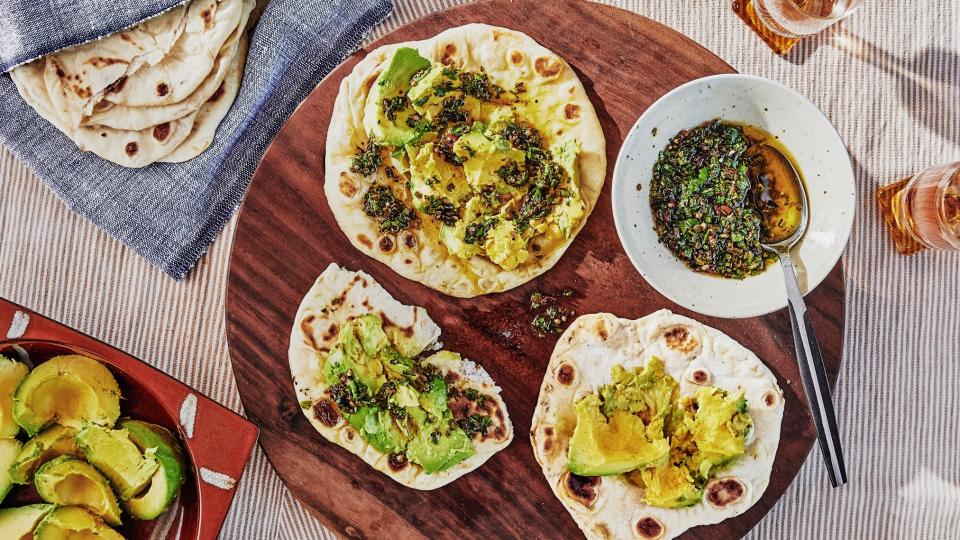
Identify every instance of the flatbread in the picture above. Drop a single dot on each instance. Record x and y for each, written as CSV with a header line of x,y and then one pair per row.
x,y
88,70
209,23
609,506
213,111
339,295
124,147
110,114
508,57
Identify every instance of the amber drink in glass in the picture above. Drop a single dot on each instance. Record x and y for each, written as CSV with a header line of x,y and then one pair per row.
x,y
927,209
799,18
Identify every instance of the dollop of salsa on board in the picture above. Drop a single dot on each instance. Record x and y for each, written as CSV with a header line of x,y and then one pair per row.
x,y
703,210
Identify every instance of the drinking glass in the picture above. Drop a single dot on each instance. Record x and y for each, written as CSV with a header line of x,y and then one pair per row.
x,y
927,209
799,18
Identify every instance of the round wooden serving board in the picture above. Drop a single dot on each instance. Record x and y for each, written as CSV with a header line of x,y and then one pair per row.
x,y
286,236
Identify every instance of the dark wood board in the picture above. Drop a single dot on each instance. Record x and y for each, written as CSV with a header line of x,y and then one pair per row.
x,y
286,236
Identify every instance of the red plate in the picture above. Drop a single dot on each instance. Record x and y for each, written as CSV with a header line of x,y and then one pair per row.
x,y
220,441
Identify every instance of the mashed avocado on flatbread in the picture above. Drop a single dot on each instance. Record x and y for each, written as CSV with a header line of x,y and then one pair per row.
x,y
675,445
369,377
646,428
467,162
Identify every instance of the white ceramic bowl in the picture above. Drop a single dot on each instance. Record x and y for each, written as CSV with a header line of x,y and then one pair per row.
x,y
820,156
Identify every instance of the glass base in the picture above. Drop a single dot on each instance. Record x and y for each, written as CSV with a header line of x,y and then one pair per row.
x,y
748,13
887,197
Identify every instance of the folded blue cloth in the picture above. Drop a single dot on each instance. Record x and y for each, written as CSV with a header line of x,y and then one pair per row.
x,y
170,212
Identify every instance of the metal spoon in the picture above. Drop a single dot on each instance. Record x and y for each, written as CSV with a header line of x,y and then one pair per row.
x,y
785,223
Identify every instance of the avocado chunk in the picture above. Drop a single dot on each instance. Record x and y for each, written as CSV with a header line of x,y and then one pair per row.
x,y
9,448
55,441
165,483
67,390
437,451
113,453
484,159
601,446
376,426
19,522
647,393
11,373
68,522
669,486
719,428
387,111
68,481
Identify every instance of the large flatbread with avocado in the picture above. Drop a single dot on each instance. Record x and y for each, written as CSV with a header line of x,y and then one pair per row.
x,y
468,161
370,377
645,428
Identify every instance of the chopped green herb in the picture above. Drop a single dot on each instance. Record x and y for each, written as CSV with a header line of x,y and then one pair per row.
x,y
476,232
394,216
393,106
367,160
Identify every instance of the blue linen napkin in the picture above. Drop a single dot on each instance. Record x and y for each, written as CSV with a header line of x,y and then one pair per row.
x,y
170,212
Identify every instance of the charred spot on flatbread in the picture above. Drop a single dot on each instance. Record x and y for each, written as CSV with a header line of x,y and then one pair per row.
x,y
365,240
207,17
161,131
387,243
163,89
725,492
679,338
131,148
446,57
769,398
116,85
583,489
571,111
397,462
648,527
548,68
566,374
408,240
699,376
348,185
327,412
517,57
600,530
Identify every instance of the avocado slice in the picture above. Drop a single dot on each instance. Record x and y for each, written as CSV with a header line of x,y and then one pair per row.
x,y
113,453
67,390
18,523
11,373
68,481
55,441
602,447
437,451
74,522
165,483
9,448
386,123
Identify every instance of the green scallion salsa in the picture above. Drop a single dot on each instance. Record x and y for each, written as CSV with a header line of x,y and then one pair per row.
x,y
700,195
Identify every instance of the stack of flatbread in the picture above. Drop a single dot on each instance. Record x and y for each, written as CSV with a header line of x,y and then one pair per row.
x,y
154,92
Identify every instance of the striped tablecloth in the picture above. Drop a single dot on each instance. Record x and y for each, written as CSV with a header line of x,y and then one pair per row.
x,y
889,78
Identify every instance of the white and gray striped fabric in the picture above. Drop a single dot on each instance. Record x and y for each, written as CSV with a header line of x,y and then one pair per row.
x,y
889,79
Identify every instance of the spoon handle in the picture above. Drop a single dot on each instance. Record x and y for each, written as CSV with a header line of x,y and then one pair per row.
x,y
814,376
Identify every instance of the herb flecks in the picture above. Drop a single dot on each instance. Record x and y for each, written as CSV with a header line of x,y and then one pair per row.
x,y
476,232
394,216
549,316
367,159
